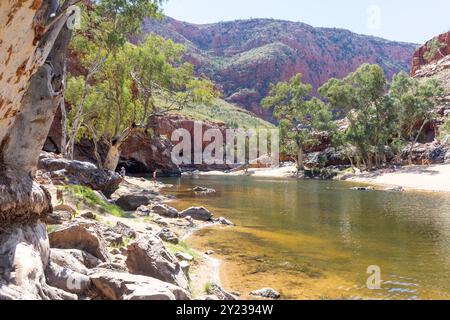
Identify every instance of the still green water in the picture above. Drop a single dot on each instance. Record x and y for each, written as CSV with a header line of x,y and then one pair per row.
x,y
315,240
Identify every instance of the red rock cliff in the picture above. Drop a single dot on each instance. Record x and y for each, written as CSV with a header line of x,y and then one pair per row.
x,y
420,60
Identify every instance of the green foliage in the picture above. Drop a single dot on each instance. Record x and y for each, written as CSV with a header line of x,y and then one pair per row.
x,y
299,118
165,83
383,119
413,102
445,132
221,111
183,247
433,48
208,287
89,198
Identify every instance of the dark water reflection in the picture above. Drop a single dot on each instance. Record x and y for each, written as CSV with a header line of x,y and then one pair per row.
x,y
314,239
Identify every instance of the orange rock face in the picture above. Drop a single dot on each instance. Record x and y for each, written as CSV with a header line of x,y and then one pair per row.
x,y
419,59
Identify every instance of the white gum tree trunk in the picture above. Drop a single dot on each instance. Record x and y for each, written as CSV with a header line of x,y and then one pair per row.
x,y
32,54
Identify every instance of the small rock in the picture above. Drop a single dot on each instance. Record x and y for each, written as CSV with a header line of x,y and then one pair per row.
x,y
112,237
89,215
197,213
208,298
124,230
168,236
165,211
219,292
58,217
268,293
184,256
115,251
209,252
370,188
161,222
396,189
66,208
185,266
203,190
143,211
224,221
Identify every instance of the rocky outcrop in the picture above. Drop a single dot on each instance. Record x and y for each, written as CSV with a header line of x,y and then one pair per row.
x,y
148,256
63,171
429,153
168,124
142,154
84,236
24,256
423,55
232,53
124,286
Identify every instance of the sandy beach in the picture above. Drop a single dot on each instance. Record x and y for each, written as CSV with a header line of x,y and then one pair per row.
x,y
434,178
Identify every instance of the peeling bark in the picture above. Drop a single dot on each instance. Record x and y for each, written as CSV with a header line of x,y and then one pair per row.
x,y
32,54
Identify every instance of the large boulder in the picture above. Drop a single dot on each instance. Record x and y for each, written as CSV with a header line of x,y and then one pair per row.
x,y
132,202
124,286
197,213
149,257
65,259
66,279
144,154
63,171
165,211
83,236
24,256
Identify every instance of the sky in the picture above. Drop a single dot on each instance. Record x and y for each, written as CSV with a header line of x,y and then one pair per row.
x,y
414,21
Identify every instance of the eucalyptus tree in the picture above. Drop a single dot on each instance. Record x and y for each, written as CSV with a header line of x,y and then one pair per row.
x,y
107,26
413,101
165,82
361,98
299,117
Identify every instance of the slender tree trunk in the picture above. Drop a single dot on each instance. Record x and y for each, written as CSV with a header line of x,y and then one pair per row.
x,y
64,129
411,149
114,152
300,158
78,116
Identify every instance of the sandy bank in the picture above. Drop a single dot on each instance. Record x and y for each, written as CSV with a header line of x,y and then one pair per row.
x,y
281,172
435,178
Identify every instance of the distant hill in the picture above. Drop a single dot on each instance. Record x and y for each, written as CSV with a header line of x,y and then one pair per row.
x,y
244,57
